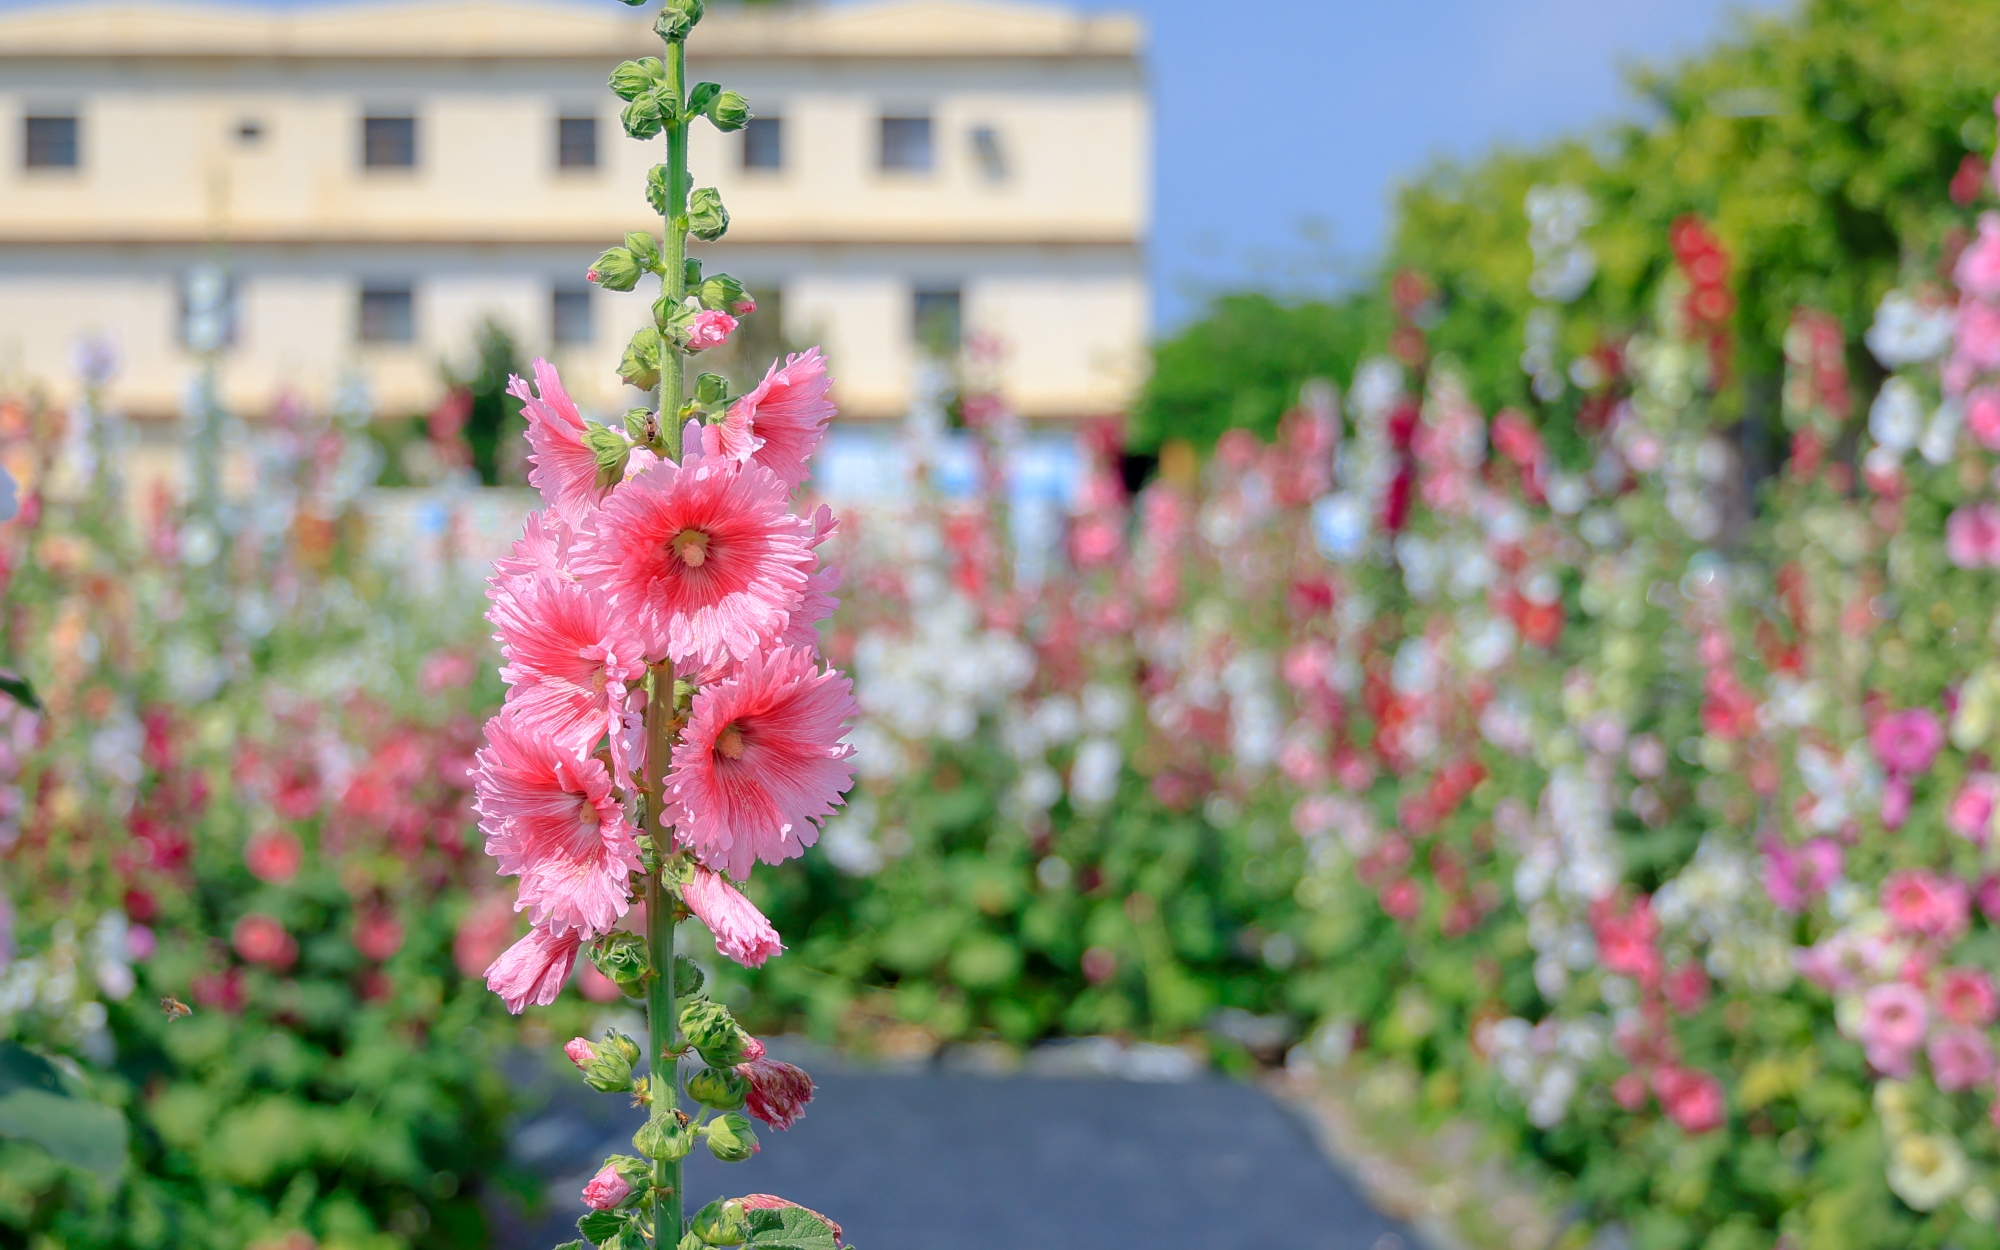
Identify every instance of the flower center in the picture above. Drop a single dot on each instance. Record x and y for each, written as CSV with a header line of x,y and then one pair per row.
x,y
691,546
730,742
587,814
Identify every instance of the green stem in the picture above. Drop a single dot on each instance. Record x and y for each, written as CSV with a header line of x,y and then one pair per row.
x,y
674,250
661,1018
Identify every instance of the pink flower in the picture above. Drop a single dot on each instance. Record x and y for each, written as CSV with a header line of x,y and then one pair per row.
x,y
1906,742
741,931
1978,343
705,552
1687,988
1794,876
779,1092
533,969
1966,996
1926,904
1972,536
261,939
569,656
1970,812
565,470
1960,1058
1893,1020
1982,416
710,329
1895,801
579,1050
606,1190
761,760
779,423
543,547
274,855
1978,271
1692,1100
550,818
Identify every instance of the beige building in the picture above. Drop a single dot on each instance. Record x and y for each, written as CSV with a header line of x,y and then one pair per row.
x,y
378,179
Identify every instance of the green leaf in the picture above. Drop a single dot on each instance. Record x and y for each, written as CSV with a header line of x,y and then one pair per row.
x,y
599,1226
21,1068
789,1228
81,1133
18,688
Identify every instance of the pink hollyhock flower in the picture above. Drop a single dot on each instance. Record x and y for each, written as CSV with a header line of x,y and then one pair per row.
x,y
261,939
1972,536
1692,1100
565,469
550,817
817,602
771,1202
1970,812
1687,988
1960,1058
1978,342
706,552
1978,269
711,328
274,856
533,969
741,931
543,547
1794,876
1966,996
1895,802
761,761
1625,941
1906,742
606,1190
378,935
779,1092
568,658
1893,1020
579,1050
1921,902
1982,416
780,422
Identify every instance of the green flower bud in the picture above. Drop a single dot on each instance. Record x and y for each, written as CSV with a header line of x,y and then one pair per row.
x,y
708,220
730,1138
728,111
656,189
643,117
677,19
641,364
721,1088
634,78
711,389
645,249
664,1136
688,977
616,270
722,292
712,1031
691,271
607,1065
622,957
722,1223
700,95
692,1241
612,450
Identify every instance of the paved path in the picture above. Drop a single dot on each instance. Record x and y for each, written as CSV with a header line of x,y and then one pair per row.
x,y
936,1160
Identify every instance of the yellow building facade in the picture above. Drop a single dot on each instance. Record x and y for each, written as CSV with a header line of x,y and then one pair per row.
x,y
376,181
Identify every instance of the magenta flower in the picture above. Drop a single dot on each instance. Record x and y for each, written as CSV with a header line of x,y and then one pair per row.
x,y
741,931
1978,269
779,1092
1692,1100
569,656
579,1050
1921,903
710,328
550,818
1982,416
533,969
1972,536
1906,742
1966,996
1794,876
1970,812
565,470
1960,1058
606,1190
1893,1020
704,553
780,423
1977,343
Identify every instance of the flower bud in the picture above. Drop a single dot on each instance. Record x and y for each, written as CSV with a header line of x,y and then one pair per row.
x,y
580,1051
644,117
712,1031
708,220
711,390
645,249
722,293
709,328
730,1138
721,1088
612,450
616,270
722,1223
778,1091
606,1066
656,189
688,977
607,1190
677,19
634,78
728,111
622,957
664,1136
701,94
640,366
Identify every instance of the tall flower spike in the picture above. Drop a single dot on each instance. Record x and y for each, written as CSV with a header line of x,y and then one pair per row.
x,y
533,969
565,468
781,422
705,554
761,760
569,657
741,931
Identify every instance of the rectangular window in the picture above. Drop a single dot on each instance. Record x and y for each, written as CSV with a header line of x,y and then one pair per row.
x,y
764,143
569,318
937,321
389,142
388,315
988,152
576,143
49,143
208,309
906,144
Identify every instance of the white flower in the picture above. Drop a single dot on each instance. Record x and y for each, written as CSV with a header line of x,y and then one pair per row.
x,y
1896,420
1093,776
1340,526
1907,332
1925,1169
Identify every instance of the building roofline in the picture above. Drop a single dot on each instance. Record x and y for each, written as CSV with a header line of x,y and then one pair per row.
x,y
539,30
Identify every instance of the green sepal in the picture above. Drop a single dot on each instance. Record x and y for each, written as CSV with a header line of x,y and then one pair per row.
x,y
664,1136
573,1245
691,1242
708,220
674,318
610,1068
728,111
600,1227
645,250
617,269
643,117
711,389
714,1033
721,1223
656,189
622,957
634,78
688,978
677,19
730,1137
721,292
640,366
724,1089
691,272
701,95
611,450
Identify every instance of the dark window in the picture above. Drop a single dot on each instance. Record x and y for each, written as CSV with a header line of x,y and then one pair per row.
x,y
764,143
389,142
208,310
576,143
937,321
569,320
987,151
50,143
387,315
906,143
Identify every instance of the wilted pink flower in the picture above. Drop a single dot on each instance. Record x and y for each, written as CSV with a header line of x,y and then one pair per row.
x,y
711,328
1921,902
1966,996
550,818
533,969
579,1050
568,655
1794,876
780,422
565,470
1906,742
1978,269
741,931
1960,1058
1970,812
261,939
705,553
761,760
1692,1100
779,1092
1972,536
1893,1020
606,1190
274,855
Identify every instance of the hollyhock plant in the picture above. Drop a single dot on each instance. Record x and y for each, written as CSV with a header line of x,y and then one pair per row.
x,y
1966,996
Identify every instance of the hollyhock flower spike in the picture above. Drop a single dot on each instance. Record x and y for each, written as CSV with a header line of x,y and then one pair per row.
x,y
533,969
740,930
780,423
565,469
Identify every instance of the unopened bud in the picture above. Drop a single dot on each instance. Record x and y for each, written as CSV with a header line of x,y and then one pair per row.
x,y
677,19
616,270
722,293
656,189
721,1088
612,450
730,1138
606,1065
645,116
729,111
607,1190
711,389
645,249
712,1031
580,1051
709,328
634,78
708,220
640,365
664,1136
701,94
722,1223
691,271
622,957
